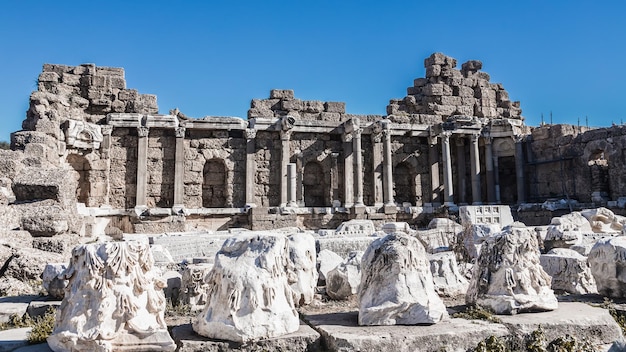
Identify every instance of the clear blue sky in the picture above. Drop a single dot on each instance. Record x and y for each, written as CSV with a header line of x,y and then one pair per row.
x,y
213,57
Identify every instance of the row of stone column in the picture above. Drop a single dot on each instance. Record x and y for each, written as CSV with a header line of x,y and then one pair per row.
x,y
353,168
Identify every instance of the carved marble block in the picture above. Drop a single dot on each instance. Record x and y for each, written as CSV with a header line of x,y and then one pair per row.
x,y
249,296
114,301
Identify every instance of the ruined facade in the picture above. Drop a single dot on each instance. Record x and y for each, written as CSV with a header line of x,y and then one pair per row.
x,y
455,138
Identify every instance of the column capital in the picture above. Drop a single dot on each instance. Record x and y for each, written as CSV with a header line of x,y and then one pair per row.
x,y
347,137
106,130
377,137
143,131
180,132
357,132
488,139
432,140
474,137
250,133
518,138
446,134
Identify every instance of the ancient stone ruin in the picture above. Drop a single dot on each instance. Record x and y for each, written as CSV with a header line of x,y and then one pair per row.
x,y
260,224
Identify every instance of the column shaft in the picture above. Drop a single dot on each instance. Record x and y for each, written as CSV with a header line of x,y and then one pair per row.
x,y
179,168
448,192
475,170
377,157
387,174
250,167
358,164
348,172
142,166
284,137
433,160
291,176
519,170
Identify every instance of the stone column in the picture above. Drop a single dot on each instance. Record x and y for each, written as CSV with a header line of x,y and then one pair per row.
x,y
348,171
388,165
142,169
284,151
377,157
448,192
299,181
107,130
358,164
496,176
179,170
250,167
475,170
291,176
334,180
461,170
491,182
433,160
519,169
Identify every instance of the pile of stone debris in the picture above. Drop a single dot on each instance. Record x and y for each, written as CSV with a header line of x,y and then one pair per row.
x,y
277,290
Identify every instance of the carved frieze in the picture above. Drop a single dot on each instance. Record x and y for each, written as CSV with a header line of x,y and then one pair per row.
x,y
83,135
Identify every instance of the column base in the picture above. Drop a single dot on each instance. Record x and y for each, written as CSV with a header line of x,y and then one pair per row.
x,y
358,209
141,210
390,208
179,209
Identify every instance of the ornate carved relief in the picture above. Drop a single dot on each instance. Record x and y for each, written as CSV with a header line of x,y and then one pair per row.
x,y
84,135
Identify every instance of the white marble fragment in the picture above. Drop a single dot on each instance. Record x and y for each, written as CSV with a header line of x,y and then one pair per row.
x,y
569,271
474,235
194,286
397,285
602,220
113,302
507,276
448,280
302,270
343,281
53,280
608,266
327,260
249,296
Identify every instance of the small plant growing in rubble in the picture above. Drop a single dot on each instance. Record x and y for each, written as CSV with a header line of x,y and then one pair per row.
x,y
477,313
42,327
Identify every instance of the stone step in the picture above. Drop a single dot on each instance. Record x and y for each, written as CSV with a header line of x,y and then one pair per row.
x,y
13,339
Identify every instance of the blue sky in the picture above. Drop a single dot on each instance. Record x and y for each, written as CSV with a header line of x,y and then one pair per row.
x,y
213,57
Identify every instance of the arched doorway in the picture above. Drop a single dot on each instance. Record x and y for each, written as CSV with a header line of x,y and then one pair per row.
x,y
404,184
82,167
315,186
214,184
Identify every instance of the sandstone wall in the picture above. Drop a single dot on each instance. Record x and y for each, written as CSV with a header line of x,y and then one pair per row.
x,y
267,177
123,174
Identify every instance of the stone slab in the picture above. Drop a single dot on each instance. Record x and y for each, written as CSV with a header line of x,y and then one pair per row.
x,y
191,245
580,320
305,339
342,334
42,347
14,305
344,245
13,339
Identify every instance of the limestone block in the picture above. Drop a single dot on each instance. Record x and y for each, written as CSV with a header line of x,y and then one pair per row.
x,y
397,285
569,270
249,297
507,277
562,236
435,59
356,228
433,89
312,106
327,260
343,281
391,227
448,280
49,77
35,184
332,106
303,274
53,281
46,224
291,104
281,94
194,286
607,260
28,264
114,301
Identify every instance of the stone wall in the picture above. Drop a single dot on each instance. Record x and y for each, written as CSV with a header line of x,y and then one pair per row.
x,y
267,176
123,177
446,91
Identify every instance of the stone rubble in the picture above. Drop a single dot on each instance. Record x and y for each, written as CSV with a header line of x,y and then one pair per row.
x,y
508,278
249,297
569,270
396,284
344,280
607,260
302,273
448,279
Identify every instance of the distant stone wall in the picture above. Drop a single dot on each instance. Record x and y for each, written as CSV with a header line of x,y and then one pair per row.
x,y
160,166
122,177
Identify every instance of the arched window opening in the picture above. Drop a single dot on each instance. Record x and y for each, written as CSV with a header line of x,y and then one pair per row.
x,y
315,186
404,181
82,167
214,184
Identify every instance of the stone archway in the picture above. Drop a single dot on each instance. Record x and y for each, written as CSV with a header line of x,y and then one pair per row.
x,y
82,167
404,184
214,191
315,185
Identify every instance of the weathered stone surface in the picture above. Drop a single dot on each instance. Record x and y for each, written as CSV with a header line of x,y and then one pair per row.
x,y
341,332
343,281
36,184
569,270
448,280
508,278
53,280
194,287
114,301
327,260
249,297
603,220
475,235
607,260
303,274
397,285
28,264
305,339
